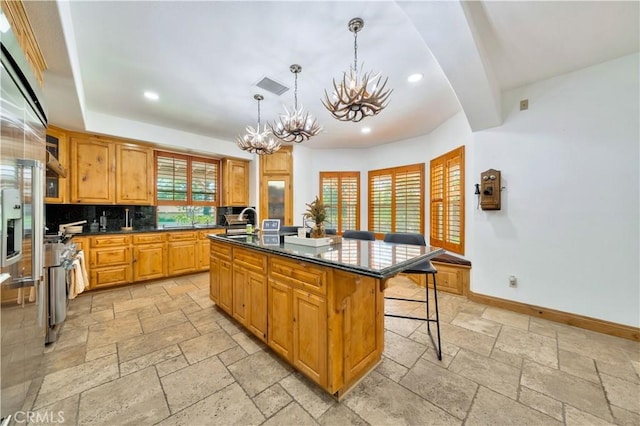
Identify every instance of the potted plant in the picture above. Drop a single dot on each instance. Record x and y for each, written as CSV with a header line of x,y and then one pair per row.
x,y
317,212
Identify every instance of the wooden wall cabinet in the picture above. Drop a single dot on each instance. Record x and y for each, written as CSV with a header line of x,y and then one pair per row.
x,y
182,253
235,182
276,185
92,171
149,256
56,187
108,172
134,175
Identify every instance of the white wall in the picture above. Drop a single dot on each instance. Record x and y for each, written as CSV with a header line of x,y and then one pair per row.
x,y
569,226
569,223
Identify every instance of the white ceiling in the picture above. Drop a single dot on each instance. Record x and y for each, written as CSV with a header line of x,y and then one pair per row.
x,y
204,58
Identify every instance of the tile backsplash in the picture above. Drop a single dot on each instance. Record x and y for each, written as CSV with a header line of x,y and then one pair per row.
x,y
141,217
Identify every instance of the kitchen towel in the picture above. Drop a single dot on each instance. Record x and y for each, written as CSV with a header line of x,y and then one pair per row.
x,y
78,279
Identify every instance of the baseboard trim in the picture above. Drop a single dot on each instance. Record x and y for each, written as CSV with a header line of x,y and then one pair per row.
x,y
601,326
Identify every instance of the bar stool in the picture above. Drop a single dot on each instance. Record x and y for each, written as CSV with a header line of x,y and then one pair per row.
x,y
422,268
359,235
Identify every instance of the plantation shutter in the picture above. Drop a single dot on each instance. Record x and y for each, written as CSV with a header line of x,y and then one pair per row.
x,y
329,196
447,201
171,179
350,201
396,200
380,202
204,181
340,191
409,201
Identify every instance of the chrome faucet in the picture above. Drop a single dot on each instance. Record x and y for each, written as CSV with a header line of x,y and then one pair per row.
x,y
241,215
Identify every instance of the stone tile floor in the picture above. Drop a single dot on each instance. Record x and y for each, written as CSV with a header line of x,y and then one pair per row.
x,y
161,353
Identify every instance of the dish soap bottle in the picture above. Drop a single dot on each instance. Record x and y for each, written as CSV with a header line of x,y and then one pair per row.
x,y
94,226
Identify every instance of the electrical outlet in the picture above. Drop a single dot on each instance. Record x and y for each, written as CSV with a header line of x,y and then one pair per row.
x,y
524,104
513,282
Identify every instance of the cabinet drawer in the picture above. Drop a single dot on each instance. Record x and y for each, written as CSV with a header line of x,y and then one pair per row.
x,y
110,276
304,275
149,238
183,236
250,259
110,241
221,250
110,257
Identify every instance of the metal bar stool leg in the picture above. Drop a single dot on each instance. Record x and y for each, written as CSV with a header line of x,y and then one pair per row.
x,y
426,294
437,320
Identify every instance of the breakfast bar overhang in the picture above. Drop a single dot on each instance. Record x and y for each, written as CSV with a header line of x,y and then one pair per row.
x,y
320,308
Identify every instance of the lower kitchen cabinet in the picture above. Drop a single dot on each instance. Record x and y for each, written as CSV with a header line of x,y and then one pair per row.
x,y
250,291
221,276
110,261
310,335
149,256
182,253
204,248
280,313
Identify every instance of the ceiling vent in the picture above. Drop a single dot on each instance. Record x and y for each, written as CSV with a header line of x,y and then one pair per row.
x,y
272,86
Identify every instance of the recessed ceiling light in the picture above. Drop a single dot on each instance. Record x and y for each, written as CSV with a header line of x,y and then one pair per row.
x,y
151,95
366,130
414,77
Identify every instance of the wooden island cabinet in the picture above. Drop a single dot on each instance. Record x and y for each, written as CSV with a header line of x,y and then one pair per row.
x,y
321,309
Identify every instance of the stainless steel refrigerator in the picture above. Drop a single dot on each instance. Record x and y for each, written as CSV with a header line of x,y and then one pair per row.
x,y
23,301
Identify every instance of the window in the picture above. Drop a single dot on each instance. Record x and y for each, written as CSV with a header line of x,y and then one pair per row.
x,y
396,201
447,201
341,192
182,180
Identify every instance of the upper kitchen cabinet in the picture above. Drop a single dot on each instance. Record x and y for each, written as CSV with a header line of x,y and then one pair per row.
x,y
107,172
134,175
56,186
276,185
235,182
93,171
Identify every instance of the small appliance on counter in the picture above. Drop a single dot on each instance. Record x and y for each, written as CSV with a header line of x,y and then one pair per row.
x,y
103,222
71,228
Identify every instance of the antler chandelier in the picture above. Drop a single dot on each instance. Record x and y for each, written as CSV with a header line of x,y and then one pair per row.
x,y
351,100
257,142
295,126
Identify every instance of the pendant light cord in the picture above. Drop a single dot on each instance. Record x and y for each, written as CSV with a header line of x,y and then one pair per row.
x,y
355,52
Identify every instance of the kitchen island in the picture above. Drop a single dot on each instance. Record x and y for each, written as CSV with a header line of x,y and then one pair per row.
x,y
320,308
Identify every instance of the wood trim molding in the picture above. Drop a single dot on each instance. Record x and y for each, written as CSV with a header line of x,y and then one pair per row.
x,y
601,326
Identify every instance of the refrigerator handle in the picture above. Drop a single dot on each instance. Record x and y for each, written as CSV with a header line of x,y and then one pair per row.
x,y
38,220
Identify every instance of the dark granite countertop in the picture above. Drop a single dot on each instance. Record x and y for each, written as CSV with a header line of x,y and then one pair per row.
x,y
371,258
152,229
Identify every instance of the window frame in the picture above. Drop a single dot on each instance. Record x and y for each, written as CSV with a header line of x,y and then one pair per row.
x,y
449,160
340,176
189,198
394,172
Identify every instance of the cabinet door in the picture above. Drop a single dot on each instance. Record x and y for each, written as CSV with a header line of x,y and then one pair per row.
x,y
257,309
240,291
280,162
235,175
182,257
310,335
214,279
149,261
56,186
110,256
280,311
92,171
276,199
106,277
225,281
203,255
134,175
